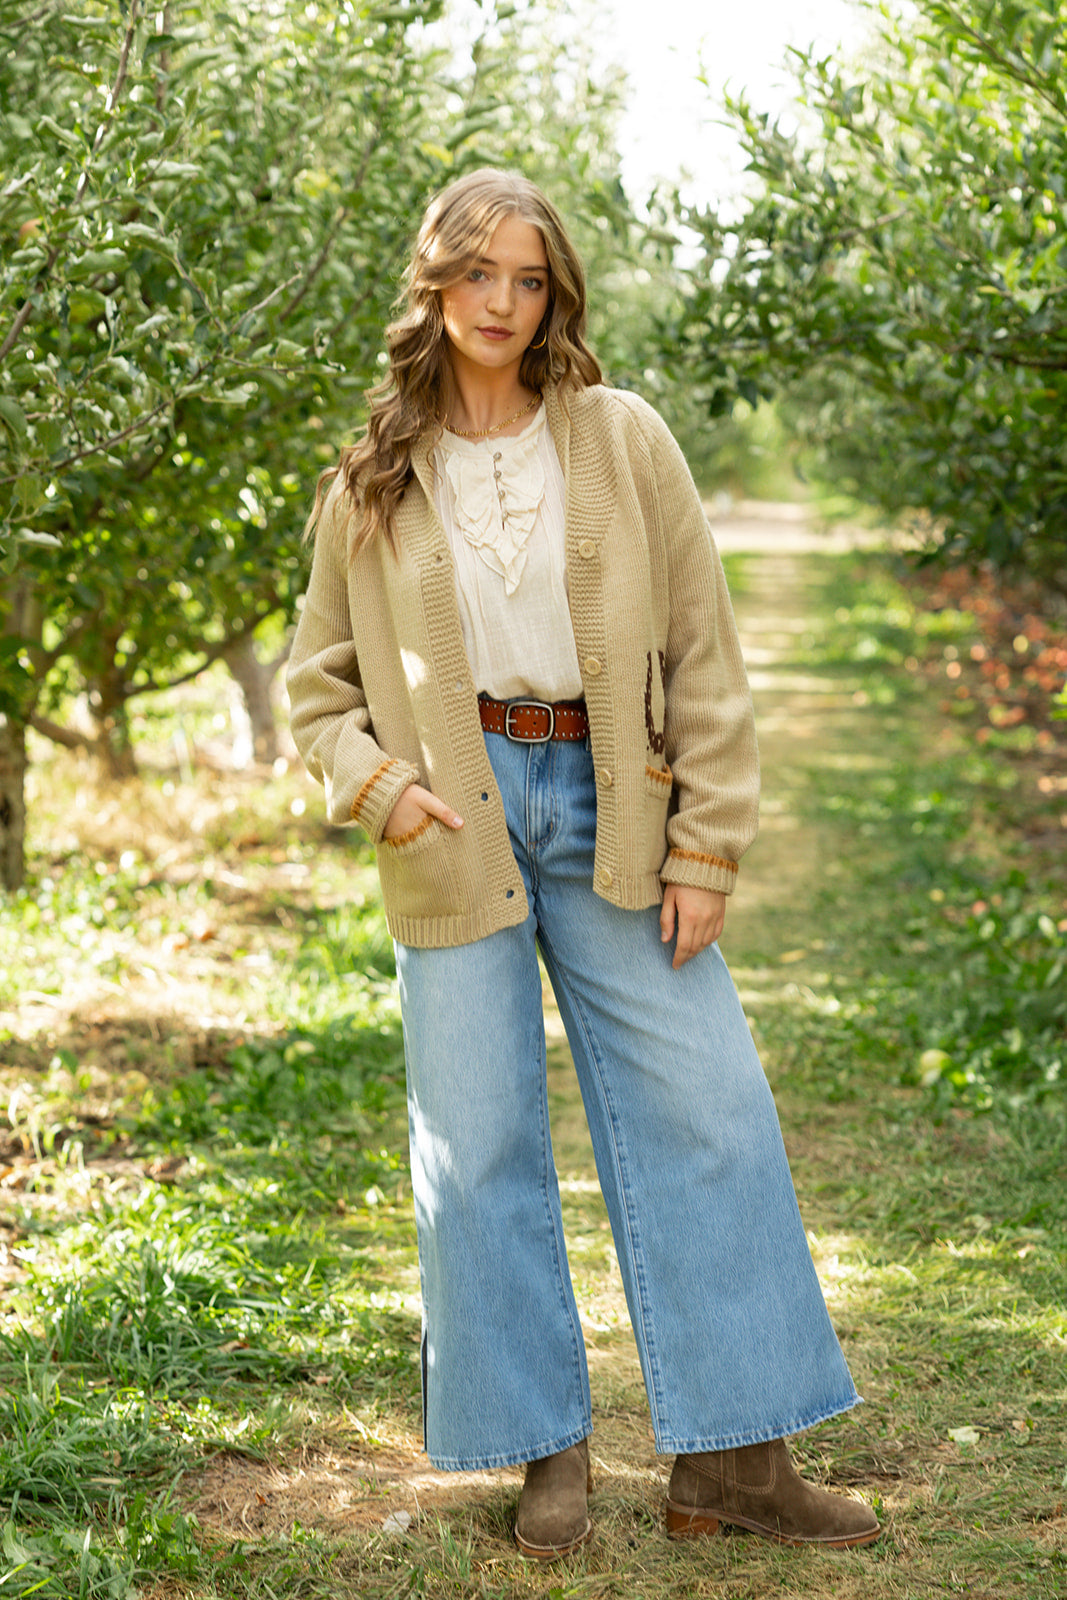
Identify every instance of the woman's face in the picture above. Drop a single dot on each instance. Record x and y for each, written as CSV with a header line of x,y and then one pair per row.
x,y
493,313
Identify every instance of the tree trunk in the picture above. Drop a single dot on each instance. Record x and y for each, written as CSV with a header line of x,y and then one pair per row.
x,y
20,618
113,746
254,678
12,802
107,702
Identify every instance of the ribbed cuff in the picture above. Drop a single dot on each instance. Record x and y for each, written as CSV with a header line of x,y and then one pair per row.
x,y
378,795
699,871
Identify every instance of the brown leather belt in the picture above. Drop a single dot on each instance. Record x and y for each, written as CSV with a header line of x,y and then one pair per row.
x,y
534,721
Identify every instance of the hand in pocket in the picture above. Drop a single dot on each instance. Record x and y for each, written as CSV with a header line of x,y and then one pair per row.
x,y
412,809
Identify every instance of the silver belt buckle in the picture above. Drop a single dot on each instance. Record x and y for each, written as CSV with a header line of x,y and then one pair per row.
x,y
522,705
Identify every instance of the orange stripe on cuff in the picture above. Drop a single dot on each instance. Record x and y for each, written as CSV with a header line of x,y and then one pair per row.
x,y
707,861
375,777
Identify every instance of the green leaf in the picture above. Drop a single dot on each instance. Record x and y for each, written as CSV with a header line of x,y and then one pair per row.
x,y
65,136
51,434
159,42
99,261
35,536
159,319
13,417
177,169
286,351
150,237
30,489
85,305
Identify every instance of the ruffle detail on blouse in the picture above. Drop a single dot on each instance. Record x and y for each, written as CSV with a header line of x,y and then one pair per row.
x,y
499,534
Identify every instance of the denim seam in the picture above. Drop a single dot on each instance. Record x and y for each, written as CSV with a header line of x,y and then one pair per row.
x,y
537,1452
527,849
555,1222
738,1441
540,780
632,1232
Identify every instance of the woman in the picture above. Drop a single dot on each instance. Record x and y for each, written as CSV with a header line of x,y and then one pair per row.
x,y
517,669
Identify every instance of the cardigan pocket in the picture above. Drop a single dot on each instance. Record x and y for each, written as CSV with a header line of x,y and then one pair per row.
x,y
425,833
659,784
659,781
422,873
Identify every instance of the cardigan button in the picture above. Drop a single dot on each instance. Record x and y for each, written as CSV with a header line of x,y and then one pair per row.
x,y
605,877
593,666
607,777
587,549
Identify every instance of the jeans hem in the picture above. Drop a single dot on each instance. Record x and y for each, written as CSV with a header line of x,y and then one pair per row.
x,y
738,1441
510,1458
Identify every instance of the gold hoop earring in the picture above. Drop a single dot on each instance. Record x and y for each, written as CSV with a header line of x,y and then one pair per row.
x,y
543,342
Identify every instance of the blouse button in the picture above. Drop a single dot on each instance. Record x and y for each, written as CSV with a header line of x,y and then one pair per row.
x,y
587,549
592,666
498,455
605,877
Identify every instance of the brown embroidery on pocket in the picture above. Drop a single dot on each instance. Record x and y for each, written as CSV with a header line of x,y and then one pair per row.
x,y
655,740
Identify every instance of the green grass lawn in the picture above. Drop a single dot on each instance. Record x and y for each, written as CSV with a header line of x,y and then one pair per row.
x,y
209,1321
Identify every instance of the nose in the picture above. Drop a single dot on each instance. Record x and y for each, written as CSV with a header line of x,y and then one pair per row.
x,y
501,296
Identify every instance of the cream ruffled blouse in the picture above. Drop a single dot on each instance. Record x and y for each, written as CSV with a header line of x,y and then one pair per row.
x,y
502,505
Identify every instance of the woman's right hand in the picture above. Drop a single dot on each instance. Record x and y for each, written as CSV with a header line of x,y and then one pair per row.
x,y
412,809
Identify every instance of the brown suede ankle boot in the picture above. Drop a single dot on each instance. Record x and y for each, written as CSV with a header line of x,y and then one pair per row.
x,y
757,1488
553,1519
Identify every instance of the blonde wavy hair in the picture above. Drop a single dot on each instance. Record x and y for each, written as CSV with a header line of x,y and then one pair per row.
x,y
411,400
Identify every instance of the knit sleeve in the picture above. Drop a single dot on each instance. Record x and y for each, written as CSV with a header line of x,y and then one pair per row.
x,y
709,728
329,715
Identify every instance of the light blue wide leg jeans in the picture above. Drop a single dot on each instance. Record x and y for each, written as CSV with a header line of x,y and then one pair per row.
x,y
735,1343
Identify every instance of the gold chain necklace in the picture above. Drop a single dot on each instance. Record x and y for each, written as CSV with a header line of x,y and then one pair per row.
x,y
484,433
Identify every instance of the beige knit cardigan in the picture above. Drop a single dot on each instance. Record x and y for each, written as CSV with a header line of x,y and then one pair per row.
x,y
382,694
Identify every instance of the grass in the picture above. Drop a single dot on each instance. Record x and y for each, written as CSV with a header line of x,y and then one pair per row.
x,y
209,1325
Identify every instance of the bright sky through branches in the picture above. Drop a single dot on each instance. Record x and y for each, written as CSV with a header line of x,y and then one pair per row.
x,y
665,46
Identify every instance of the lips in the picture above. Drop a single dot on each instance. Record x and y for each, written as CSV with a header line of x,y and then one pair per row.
x,y
495,333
